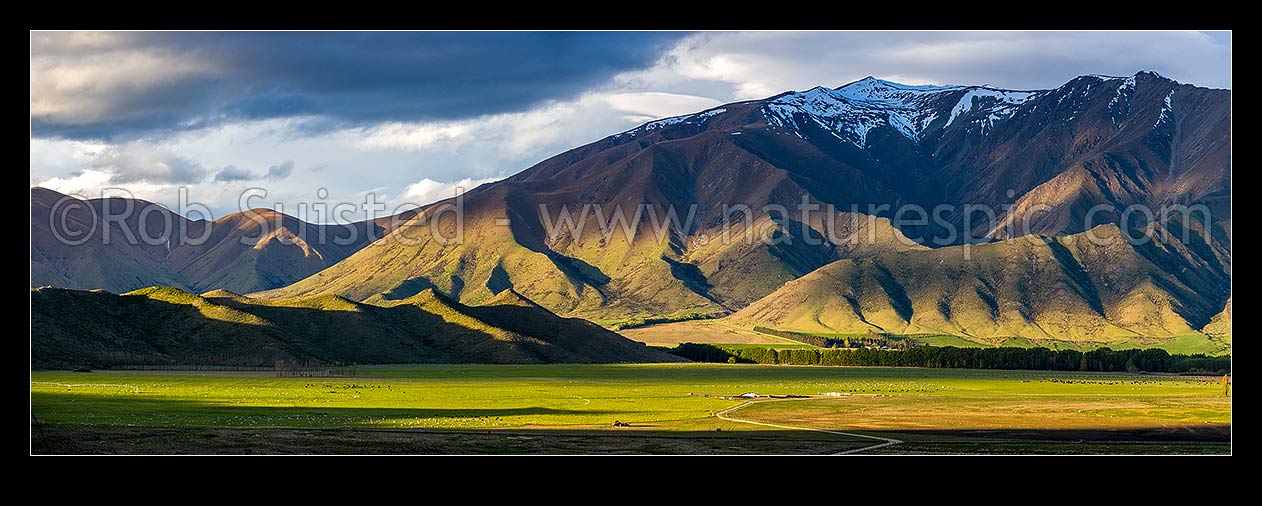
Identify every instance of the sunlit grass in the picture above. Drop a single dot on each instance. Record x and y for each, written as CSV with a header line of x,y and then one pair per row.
x,y
664,397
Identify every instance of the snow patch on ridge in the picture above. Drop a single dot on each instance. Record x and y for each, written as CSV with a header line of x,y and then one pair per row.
x,y
871,89
1120,104
1002,103
687,119
852,111
1167,110
1155,74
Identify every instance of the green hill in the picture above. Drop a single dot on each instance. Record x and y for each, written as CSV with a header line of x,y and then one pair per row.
x,y
1220,325
1089,288
163,325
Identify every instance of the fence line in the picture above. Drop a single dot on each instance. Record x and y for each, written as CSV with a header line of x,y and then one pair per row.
x,y
281,369
187,367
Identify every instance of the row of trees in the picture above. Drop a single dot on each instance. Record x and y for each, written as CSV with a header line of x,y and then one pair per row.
x,y
871,340
1102,359
120,359
631,323
312,369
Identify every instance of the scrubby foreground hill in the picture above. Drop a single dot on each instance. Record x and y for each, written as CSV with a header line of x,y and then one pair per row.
x,y
1093,287
170,326
74,245
1096,140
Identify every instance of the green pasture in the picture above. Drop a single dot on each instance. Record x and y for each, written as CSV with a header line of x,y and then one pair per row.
x,y
666,397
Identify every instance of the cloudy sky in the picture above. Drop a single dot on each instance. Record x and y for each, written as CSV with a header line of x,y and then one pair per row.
x,y
410,117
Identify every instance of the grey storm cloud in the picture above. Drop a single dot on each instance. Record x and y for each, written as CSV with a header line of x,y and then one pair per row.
x,y
232,173
117,85
281,171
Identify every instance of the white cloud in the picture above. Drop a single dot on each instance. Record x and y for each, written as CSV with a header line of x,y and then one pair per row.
x,y
86,184
428,190
61,157
138,162
411,136
92,184
760,64
647,106
80,77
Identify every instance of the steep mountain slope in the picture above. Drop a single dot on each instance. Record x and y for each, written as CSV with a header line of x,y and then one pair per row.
x,y
1089,287
151,245
1140,140
1220,325
72,247
594,275
867,149
167,325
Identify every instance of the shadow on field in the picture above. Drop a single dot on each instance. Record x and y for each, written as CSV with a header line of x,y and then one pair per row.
x,y
74,439
70,439
116,409
74,328
1205,433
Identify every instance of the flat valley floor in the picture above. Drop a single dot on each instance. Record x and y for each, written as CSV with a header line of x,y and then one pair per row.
x,y
659,409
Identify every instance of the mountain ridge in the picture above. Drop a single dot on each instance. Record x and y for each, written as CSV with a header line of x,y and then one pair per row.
x,y
1093,141
244,252
1046,163
1087,287
165,325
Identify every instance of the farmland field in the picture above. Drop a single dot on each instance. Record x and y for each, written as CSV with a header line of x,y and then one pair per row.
x,y
720,333
699,331
666,409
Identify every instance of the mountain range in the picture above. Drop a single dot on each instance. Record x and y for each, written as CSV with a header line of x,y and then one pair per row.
x,y
148,244
1091,287
1058,165
1143,139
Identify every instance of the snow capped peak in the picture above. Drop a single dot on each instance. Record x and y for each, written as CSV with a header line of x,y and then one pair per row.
x,y
1120,104
687,118
1153,73
870,88
849,112
1131,78
699,117
999,103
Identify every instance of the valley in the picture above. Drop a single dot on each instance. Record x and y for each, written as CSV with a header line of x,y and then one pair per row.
x,y
668,408
742,279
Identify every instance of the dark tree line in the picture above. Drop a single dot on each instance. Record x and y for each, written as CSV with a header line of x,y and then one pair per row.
x,y
871,340
312,368
123,359
950,357
641,322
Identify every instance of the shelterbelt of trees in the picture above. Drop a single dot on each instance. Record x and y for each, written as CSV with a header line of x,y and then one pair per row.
x,y
870,341
1102,359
